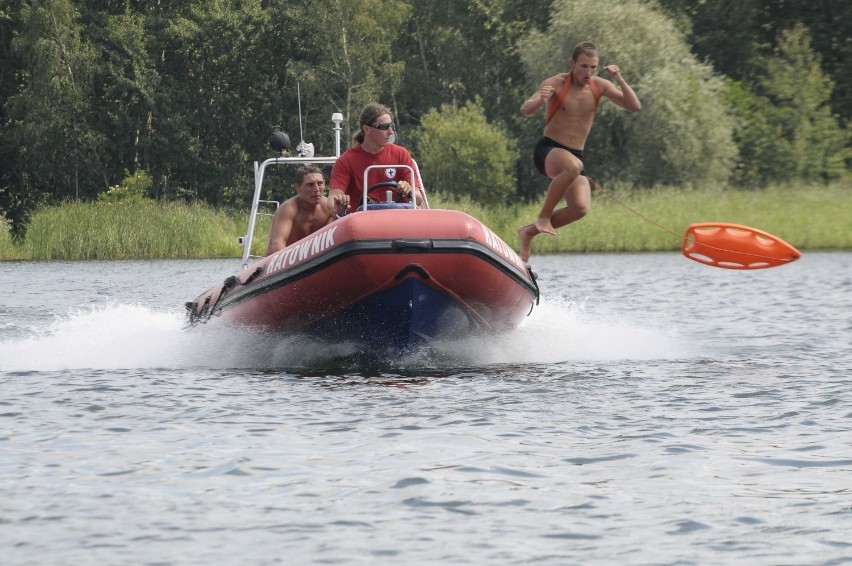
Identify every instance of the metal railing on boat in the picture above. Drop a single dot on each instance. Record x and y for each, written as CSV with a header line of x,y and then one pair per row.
x,y
415,174
260,168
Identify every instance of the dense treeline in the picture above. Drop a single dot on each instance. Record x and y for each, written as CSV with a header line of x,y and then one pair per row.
x,y
99,94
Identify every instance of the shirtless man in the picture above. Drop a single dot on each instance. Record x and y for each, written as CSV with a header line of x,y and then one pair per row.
x,y
304,213
559,154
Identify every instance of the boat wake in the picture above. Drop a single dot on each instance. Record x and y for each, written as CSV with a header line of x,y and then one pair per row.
x,y
561,330
128,336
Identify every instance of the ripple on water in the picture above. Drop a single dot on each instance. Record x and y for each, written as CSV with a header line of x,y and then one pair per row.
x,y
650,413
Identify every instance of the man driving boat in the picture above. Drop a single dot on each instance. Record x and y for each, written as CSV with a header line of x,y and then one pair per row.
x,y
373,145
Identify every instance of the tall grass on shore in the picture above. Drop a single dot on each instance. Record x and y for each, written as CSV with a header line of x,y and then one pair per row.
x,y
809,217
138,229
9,249
813,217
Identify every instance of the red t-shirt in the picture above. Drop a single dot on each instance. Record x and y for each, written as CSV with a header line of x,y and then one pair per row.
x,y
348,171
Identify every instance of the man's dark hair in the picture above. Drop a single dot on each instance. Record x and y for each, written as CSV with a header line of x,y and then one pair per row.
x,y
305,170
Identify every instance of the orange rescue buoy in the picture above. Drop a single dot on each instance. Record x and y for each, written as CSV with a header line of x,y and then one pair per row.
x,y
733,246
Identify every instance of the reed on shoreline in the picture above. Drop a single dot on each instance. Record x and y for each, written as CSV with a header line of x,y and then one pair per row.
x,y
132,229
813,217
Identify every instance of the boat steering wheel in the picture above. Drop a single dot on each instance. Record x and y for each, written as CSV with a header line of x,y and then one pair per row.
x,y
384,184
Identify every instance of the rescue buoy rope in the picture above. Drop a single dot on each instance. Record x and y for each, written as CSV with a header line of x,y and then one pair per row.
x,y
683,238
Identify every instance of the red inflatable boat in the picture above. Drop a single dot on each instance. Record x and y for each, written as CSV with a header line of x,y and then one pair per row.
x,y
388,279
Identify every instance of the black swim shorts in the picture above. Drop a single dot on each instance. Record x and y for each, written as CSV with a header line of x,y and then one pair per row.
x,y
543,147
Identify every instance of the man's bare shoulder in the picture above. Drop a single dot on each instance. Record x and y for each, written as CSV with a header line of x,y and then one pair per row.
x,y
556,80
604,85
288,208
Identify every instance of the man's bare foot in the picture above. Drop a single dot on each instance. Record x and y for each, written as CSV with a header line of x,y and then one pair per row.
x,y
544,225
526,234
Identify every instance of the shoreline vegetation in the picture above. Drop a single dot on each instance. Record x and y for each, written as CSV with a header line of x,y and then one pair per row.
x,y
812,217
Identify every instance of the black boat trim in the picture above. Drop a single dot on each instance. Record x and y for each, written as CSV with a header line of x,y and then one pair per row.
x,y
378,246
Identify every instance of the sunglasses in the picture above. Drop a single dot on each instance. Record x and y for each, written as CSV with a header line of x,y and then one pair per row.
x,y
383,127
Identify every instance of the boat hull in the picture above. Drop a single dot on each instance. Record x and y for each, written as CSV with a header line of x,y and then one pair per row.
x,y
384,280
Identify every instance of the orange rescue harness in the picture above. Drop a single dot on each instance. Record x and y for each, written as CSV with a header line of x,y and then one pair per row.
x,y
553,108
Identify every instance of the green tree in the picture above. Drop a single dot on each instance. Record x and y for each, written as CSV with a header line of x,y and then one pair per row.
x,y
787,130
15,200
343,56
801,93
213,91
737,36
465,155
461,50
126,82
456,51
684,133
763,156
51,116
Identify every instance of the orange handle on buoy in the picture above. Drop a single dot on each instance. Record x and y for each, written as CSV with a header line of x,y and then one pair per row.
x,y
734,246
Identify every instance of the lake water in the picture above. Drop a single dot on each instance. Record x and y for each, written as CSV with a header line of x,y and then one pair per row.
x,y
650,411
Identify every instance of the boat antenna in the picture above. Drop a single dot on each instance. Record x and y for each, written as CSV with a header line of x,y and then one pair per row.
x,y
299,98
303,149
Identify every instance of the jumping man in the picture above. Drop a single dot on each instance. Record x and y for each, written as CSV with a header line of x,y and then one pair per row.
x,y
572,100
